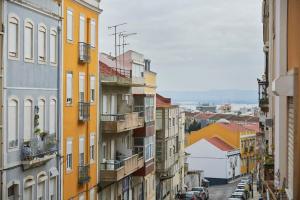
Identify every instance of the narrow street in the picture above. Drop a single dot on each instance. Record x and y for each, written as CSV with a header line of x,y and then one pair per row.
x,y
221,192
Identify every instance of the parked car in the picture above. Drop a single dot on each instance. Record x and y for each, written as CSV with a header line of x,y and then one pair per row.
x,y
202,192
240,195
244,191
188,196
234,198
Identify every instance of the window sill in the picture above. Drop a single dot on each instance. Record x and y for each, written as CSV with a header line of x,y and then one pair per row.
x,y
28,60
69,171
42,62
13,58
69,104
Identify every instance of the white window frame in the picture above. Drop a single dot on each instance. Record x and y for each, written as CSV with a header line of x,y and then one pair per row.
x,y
92,147
55,116
42,28
13,18
69,165
69,91
53,33
43,181
17,123
81,88
70,34
27,23
93,36
92,88
81,150
32,183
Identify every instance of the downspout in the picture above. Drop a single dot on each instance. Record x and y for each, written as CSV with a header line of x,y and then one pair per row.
x,y
100,141
59,107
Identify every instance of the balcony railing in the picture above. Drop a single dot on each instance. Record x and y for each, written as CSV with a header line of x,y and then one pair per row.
x,y
116,123
263,99
38,147
84,52
140,110
115,170
83,111
83,174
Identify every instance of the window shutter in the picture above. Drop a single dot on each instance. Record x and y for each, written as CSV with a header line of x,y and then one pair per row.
x,y
69,87
69,147
52,122
81,87
53,47
13,37
93,81
42,109
92,142
12,121
291,129
104,102
82,29
93,33
28,42
81,145
42,44
27,120
69,25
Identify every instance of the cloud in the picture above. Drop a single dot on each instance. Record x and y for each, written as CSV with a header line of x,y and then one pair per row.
x,y
193,44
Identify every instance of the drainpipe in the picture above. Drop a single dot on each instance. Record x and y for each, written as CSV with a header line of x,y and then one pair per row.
x,y
100,140
59,108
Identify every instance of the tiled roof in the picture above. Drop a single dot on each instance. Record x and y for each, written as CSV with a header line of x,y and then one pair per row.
x,y
234,118
162,102
252,126
204,115
234,127
219,143
109,71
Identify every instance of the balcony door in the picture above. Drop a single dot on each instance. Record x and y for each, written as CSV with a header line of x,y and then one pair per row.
x,y
113,104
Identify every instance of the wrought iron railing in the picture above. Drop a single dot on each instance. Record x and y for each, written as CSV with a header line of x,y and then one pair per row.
x,y
38,147
83,111
84,52
113,71
112,117
263,99
83,174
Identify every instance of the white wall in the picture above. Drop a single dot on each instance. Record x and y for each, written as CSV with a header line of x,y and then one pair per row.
x,y
205,156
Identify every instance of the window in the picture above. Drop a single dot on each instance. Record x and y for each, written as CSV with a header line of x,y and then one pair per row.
x,y
41,187
93,33
149,109
92,194
69,154
81,28
13,124
52,188
81,87
69,88
149,148
53,113
93,88
53,47
42,43
28,189
13,37
28,40
92,147
42,114
137,70
13,192
69,25
81,151
28,119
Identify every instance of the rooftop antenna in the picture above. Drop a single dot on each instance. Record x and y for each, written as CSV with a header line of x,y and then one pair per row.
x,y
115,34
124,36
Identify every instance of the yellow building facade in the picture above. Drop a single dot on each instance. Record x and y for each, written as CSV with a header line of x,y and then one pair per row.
x,y
80,98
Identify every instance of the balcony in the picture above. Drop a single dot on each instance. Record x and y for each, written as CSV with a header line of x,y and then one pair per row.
x,y
83,111
115,170
83,174
116,123
263,99
84,52
38,150
116,76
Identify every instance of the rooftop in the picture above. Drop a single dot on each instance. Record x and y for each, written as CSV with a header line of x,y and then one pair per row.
x,y
221,144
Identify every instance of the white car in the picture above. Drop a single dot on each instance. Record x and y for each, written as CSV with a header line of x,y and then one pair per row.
x,y
240,195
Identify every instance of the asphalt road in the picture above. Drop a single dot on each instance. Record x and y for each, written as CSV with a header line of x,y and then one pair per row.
x,y
221,192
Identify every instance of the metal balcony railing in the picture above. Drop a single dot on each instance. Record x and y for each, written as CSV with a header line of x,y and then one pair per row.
x,y
140,110
38,147
112,117
139,151
83,111
83,174
263,99
84,52
113,71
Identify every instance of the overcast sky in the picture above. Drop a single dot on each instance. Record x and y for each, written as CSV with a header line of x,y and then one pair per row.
x,y
192,44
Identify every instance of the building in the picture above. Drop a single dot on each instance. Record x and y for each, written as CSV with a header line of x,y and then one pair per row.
x,y
278,100
236,135
30,131
206,107
123,159
219,160
169,171
80,99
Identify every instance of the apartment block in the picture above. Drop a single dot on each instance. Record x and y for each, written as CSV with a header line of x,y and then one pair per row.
x,y
80,99
169,152
278,100
30,85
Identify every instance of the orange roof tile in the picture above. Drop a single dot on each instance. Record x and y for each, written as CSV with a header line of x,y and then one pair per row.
x,y
219,143
252,126
162,102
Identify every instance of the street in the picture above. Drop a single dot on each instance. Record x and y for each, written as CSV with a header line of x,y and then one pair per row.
x,y
221,192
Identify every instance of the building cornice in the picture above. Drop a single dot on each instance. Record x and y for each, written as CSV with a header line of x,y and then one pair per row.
x,y
90,5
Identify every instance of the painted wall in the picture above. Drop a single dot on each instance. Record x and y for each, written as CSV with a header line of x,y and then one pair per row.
x,y
72,127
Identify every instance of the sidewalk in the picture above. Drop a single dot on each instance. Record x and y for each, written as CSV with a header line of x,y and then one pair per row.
x,y
256,194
